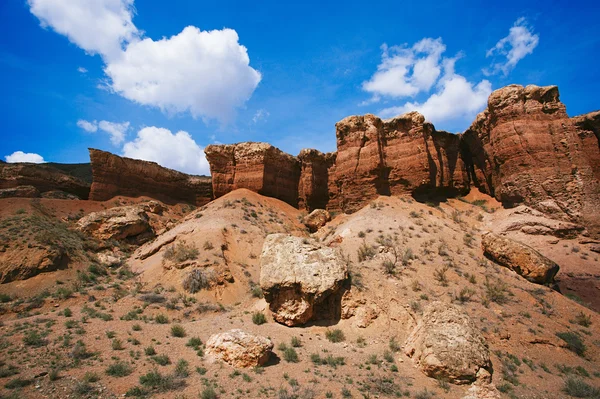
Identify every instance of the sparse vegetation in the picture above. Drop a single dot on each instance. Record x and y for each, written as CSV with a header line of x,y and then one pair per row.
x,y
181,252
574,342
335,336
258,318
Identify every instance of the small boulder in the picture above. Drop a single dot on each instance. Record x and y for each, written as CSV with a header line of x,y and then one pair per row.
x,y
317,219
447,344
239,348
300,279
519,258
119,223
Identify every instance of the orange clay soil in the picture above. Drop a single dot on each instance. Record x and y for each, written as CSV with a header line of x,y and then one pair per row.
x,y
115,316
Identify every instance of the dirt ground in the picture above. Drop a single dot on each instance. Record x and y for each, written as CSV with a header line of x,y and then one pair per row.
x,y
114,313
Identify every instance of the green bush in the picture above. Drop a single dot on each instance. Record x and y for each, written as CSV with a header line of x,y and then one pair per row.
x,y
574,342
258,318
336,335
290,355
178,331
119,369
580,389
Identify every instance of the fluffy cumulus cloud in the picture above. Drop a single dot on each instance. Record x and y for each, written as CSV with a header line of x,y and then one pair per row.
x,y
116,131
207,73
20,156
423,69
177,151
406,71
520,42
97,26
89,127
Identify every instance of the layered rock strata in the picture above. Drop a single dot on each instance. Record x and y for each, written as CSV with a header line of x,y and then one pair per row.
x,y
31,180
259,167
525,149
114,175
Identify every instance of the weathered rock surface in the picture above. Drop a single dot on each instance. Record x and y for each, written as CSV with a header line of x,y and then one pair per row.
x,y
447,344
315,189
531,221
317,219
20,191
239,348
114,175
402,155
42,177
121,223
300,279
29,262
525,149
259,167
519,258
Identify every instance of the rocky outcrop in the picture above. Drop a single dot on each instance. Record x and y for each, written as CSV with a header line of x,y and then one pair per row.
x,y
519,258
20,191
525,149
42,178
530,221
403,155
446,344
317,219
301,280
259,167
316,188
129,223
24,263
239,349
114,175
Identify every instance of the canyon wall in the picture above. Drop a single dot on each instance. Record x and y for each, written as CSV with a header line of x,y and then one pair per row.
x,y
258,167
525,149
33,180
114,175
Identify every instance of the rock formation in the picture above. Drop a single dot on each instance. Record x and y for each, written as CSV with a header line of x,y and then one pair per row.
x,y
525,149
42,178
121,223
300,279
239,348
446,344
114,175
519,258
317,219
403,155
316,188
259,167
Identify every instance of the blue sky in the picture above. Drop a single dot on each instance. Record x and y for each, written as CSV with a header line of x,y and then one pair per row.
x,y
160,80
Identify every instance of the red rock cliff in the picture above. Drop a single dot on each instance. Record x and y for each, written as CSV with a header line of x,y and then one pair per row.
x,y
42,177
258,167
114,175
314,190
525,149
400,155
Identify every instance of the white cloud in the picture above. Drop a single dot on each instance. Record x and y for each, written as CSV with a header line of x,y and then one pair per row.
x,y
406,71
260,115
177,151
96,26
207,73
89,127
115,130
20,156
520,41
404,74
82,70
456,99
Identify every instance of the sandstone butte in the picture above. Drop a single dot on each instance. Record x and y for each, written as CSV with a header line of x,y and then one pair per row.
x,y
523,148
114,175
